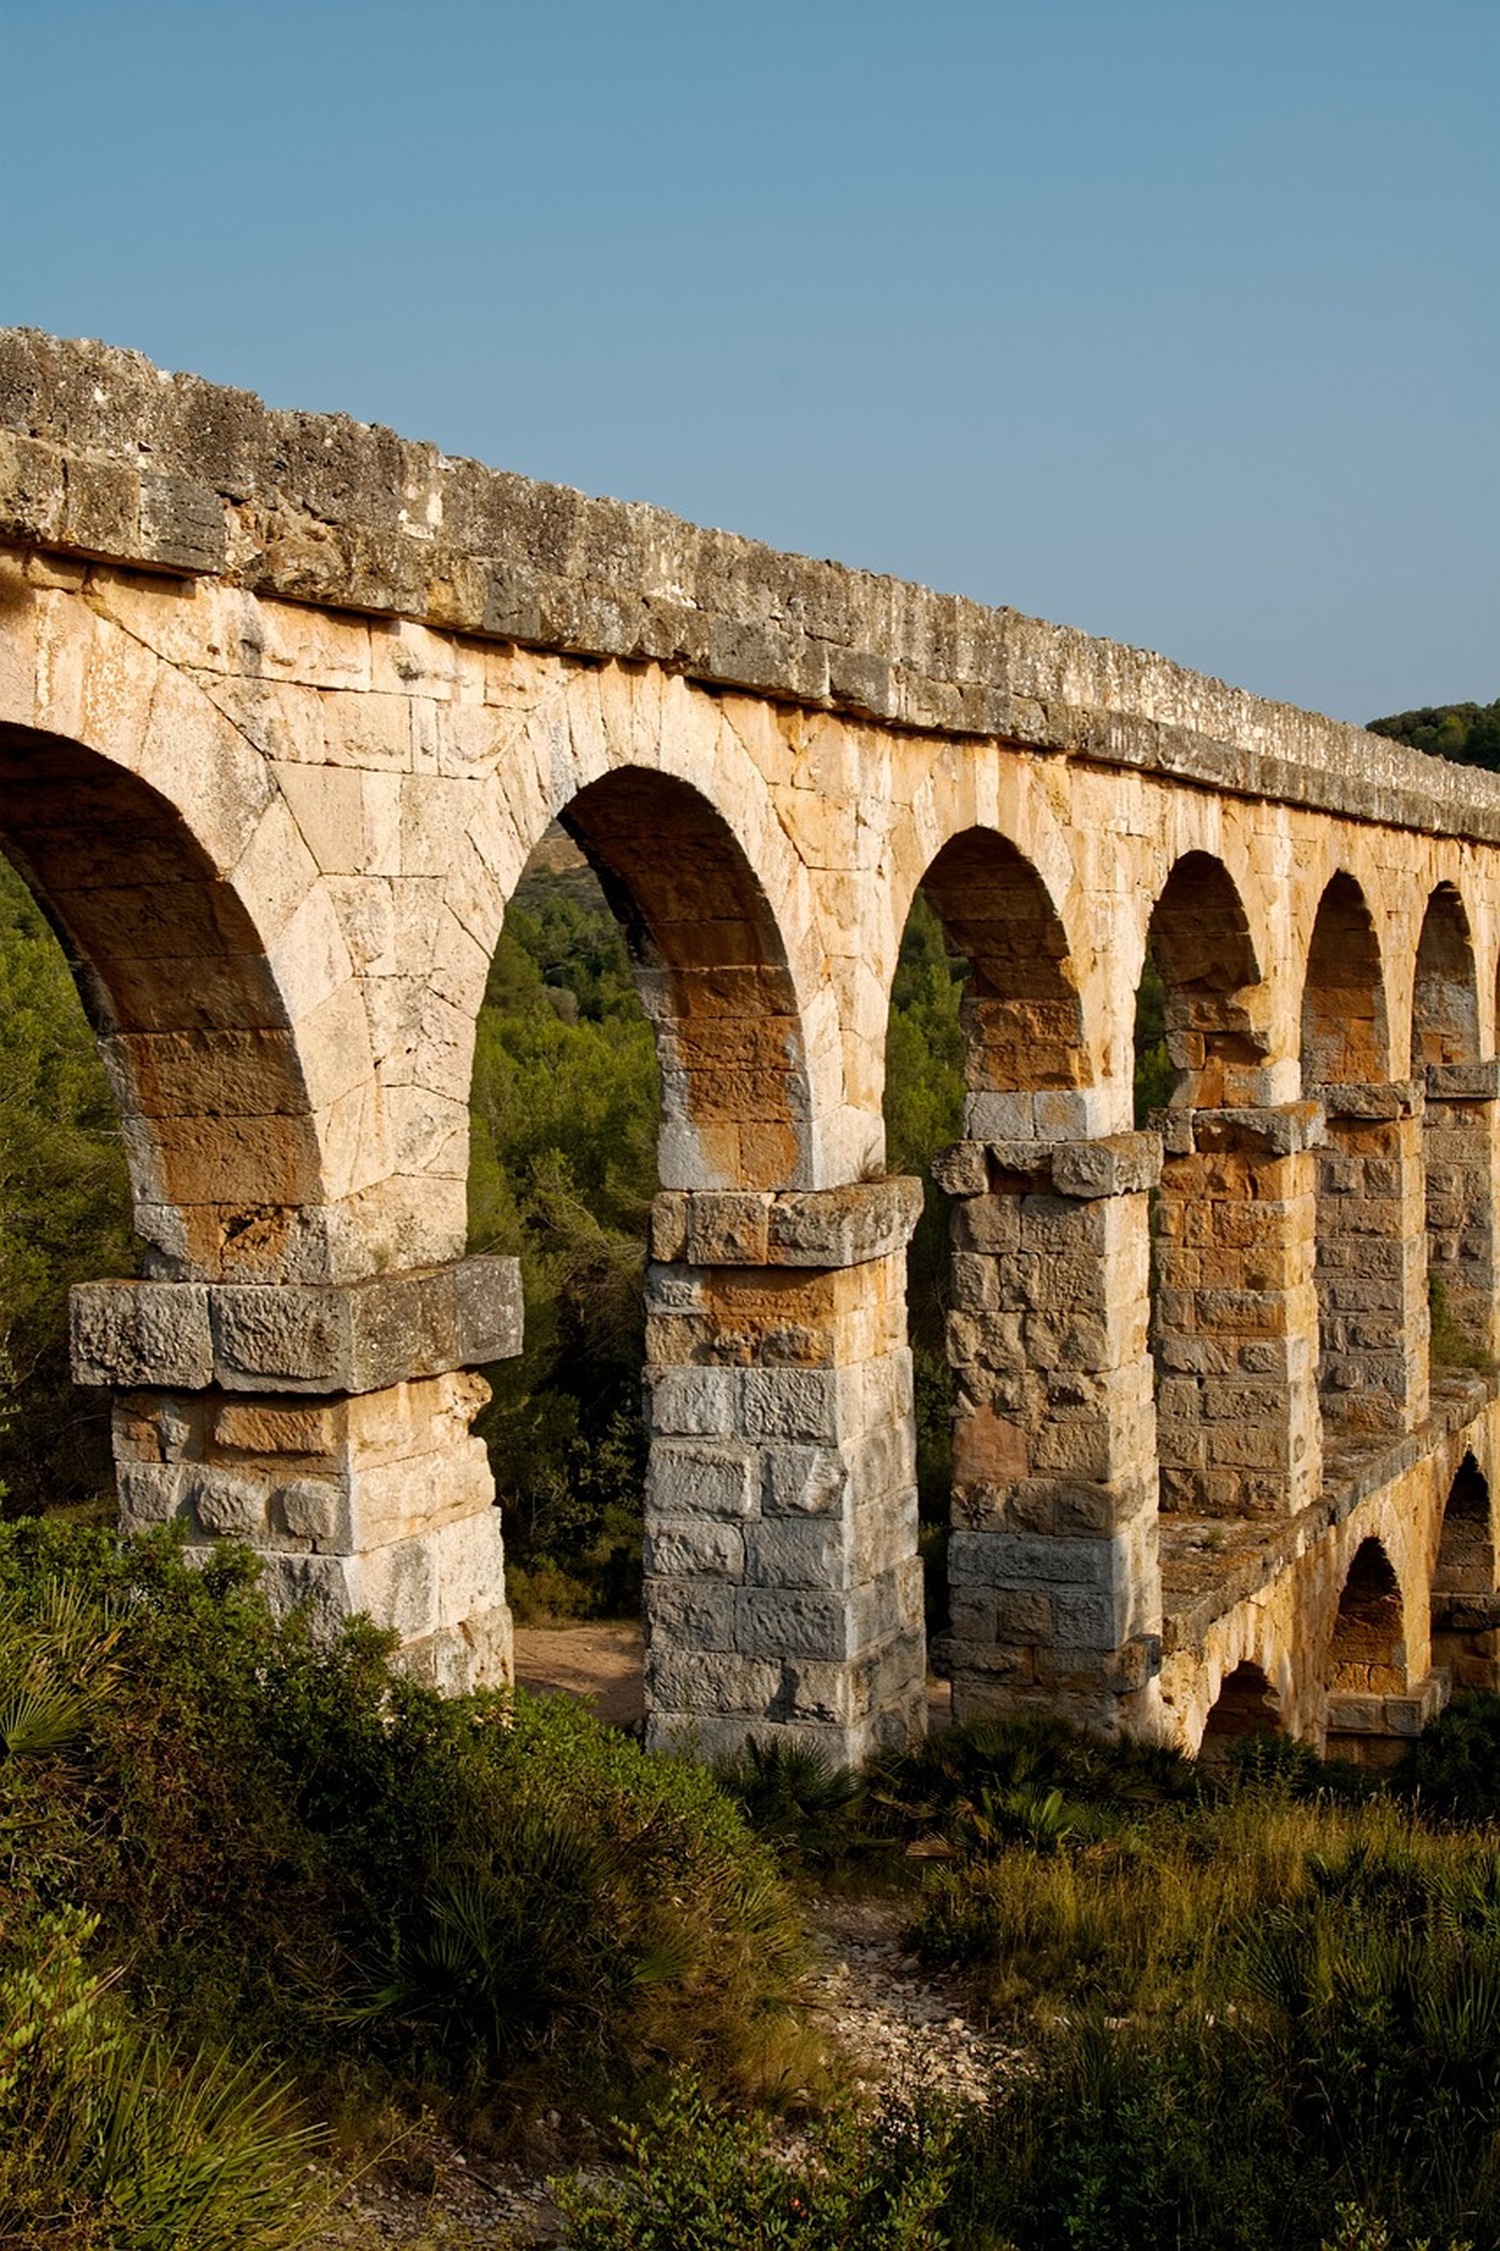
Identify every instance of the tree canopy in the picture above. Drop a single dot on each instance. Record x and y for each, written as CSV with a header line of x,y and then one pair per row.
x,y
1468,733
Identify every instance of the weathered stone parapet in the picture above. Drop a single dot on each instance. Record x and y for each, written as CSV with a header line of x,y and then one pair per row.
x,y
783,1590
1371,1265
316,1338
1055,1593
104,456
328,1427
1235,1314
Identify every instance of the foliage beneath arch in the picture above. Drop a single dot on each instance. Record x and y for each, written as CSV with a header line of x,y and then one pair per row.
x,y
64,1212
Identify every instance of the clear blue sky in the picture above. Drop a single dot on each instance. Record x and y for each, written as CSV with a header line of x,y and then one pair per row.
x,y
1178,320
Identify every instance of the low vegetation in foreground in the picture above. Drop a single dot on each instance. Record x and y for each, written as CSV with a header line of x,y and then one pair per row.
x,y
259,1899
253,1891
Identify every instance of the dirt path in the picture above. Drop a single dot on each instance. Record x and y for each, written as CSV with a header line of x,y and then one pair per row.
x,y
599,1663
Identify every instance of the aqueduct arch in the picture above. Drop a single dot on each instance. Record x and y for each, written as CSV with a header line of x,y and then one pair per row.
x,y
1371,1279
318,692
1458,1160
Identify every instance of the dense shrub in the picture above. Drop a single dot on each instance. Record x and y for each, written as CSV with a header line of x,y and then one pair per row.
x,y
292,1845
699,2178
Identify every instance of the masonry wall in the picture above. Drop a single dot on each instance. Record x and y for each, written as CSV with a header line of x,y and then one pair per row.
x,y
286,703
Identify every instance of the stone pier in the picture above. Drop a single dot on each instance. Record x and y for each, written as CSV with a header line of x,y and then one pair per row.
x,y
1055,1590
1372,1259
1461,1154
328,1426
1235,1314
783,1588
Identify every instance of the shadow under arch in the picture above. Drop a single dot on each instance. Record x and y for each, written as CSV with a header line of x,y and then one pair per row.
x,y
219,1134
1457,1154
1465,1610
714,978
1366,1659
1345,1022
1199,943
1445,986
1371,1309
1245,1705
1021,1012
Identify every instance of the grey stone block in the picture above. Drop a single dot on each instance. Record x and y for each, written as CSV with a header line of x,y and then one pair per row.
x,y
962,1170
681,1546
806,1552
684,1479
693,1402
1121,1164
690,1613
803,1480
1463,1082
319,1338
774,1624
796,1403
135,1334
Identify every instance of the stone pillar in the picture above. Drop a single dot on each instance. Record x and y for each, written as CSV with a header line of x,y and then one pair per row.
x,y
327,1426
1236,1312
1460,1155
783,1591
1371,1259
1054,1579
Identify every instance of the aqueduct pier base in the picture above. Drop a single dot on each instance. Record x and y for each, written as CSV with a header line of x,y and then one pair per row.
x,y
285,705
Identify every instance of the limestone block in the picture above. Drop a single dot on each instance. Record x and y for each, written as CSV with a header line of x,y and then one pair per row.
x,y
710,1682
151,1493
680,1546
793,1403
684,1479
810,1552
962,1170
335,1337
693,1402
1463,1082
843,1226
141,1333
691,1613
803,1480
775,1623
1120,1164
227,1503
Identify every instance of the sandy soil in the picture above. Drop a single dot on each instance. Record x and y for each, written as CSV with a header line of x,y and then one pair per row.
x,y
599,1663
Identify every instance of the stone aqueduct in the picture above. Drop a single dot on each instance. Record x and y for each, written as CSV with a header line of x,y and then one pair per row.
x,y
285,705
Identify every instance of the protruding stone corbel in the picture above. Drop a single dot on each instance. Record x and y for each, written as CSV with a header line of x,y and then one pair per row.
x,y
1117,1164
313,1338
1377,1102
1464,1082
1265,1130
806,1227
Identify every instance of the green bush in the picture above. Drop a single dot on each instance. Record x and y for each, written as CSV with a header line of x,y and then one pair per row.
x,y
293,1846
1453,1769
700,2178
